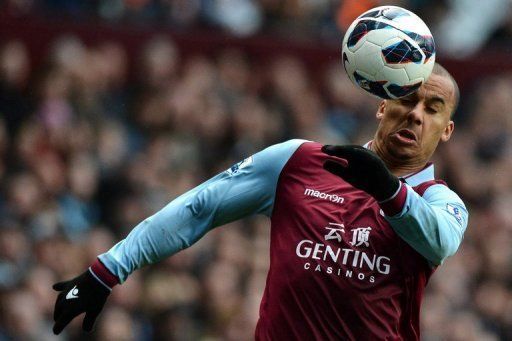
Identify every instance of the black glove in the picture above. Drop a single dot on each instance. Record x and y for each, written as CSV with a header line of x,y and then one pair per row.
x,y
363,169
82,294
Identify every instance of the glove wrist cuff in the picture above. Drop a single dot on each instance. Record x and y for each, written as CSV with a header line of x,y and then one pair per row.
x,y
103,275
394,205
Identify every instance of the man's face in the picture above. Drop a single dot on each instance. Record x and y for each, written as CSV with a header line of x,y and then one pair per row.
x,y
410,128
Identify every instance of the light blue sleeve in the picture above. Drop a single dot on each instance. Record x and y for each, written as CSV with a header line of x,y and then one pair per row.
x,y
433,224
245,189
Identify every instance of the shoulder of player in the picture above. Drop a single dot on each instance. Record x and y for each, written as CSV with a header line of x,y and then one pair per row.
x,y
280,150
301,155
422,187
438,191
291,144
427,186
422,180
301,148
273,158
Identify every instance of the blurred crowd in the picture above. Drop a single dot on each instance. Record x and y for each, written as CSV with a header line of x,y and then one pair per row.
x,y
461,27
89,148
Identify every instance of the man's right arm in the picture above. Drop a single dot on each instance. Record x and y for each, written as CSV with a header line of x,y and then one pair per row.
x,y
245,189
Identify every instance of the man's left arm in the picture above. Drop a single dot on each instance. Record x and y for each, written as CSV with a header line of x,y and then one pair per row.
x,y
433,224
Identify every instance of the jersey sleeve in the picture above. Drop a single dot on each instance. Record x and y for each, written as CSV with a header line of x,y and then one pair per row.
x,y
433,224
247,188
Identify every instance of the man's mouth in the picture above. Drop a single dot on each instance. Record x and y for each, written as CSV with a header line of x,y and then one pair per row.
x,y
408,134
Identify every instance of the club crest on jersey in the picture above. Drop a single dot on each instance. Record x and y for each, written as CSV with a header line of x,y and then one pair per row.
x,y
454,211
237,166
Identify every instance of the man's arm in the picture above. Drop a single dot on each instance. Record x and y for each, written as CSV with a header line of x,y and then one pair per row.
x,y
433,224
245,189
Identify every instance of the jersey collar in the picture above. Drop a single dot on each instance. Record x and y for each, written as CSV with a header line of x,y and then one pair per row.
x,y
421,176
416,178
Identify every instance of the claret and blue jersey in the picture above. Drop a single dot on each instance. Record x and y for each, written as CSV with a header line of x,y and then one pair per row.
x,y
340,268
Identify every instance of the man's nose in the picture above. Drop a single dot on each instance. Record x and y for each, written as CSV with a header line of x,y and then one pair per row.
x,y
415,116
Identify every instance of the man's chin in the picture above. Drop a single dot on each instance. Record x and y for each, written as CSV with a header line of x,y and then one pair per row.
x,y
402,152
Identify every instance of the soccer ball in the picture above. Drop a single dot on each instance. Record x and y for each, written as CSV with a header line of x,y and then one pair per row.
x,y
388,51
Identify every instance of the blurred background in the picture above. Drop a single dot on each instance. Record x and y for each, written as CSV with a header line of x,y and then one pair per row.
x,y
109,109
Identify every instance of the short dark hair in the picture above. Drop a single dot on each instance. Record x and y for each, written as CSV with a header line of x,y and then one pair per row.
x,y
441,71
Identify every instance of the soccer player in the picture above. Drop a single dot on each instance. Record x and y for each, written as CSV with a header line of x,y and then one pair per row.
x,y
356,232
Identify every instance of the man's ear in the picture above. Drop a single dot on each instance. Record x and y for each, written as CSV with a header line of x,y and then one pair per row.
x,y
448,130
380,111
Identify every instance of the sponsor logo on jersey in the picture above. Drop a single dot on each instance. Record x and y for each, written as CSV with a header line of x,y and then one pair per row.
x,y
351,259
330,197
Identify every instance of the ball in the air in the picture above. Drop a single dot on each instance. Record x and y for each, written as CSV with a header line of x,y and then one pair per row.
x,y
388,51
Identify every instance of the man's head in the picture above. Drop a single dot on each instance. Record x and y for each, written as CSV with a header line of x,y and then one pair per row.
x,y
411,127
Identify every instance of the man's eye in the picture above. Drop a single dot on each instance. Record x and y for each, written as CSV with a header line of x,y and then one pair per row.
x,y
432,110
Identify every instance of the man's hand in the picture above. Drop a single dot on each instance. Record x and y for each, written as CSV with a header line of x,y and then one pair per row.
x,y
363,169
82,294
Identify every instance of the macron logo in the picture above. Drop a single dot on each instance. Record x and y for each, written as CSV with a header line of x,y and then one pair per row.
x,y
331,197
73,293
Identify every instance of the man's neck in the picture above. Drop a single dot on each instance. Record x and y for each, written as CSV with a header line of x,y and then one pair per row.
x,y
395,165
